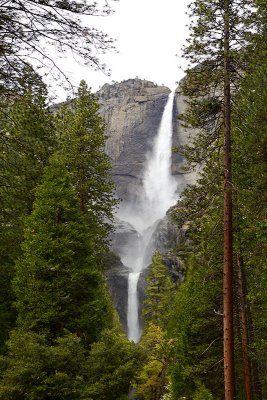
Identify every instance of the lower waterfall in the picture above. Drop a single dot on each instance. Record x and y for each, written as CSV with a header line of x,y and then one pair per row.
x,y
157,195
132,314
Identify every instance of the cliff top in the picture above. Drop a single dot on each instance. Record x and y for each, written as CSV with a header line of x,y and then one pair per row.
x,y
132,87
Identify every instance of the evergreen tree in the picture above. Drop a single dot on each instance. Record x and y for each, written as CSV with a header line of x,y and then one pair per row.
x,y
159,292
62,300
217,35
249,178
35,370
196,321
152,378
26,143
58,283
82,137
198,350
156,345
111,366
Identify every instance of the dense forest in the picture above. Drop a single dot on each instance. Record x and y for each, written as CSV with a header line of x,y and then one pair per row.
x,y
61,337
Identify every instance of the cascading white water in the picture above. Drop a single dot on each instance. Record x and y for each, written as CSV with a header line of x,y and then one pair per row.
x,y
156,197
158,183
132,315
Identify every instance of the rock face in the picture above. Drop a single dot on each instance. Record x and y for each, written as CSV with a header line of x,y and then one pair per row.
x,y
117,278
132,110
124,235
181,136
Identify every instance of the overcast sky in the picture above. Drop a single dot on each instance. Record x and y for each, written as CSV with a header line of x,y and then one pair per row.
x,y
149,33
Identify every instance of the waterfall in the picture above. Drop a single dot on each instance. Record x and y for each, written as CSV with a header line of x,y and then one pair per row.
x,y
132,315
156,196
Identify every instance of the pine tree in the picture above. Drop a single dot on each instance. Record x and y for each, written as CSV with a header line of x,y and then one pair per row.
x,y
62,300
26,142
217,36
58,283
196,320
157,348
111,366
159,292
82,136
249,178
33,369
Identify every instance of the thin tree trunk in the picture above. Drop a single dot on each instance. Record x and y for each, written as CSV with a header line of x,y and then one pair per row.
x,y
244,330
82,202
163,381
256,381
228,331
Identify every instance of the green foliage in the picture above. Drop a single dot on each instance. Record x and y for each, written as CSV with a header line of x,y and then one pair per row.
x,y
158,292
202,393
197,327
205,117
197,320
112,363
7,311
157,348
82,138
62,299
61,295
35,370
26,143
249,176
204,82
58,283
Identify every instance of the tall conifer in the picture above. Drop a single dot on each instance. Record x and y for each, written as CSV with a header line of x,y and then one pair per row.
x,y
26,142
58,283
82,138
214,51
159,292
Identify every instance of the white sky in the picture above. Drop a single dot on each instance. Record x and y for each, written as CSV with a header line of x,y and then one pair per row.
x,y
149,33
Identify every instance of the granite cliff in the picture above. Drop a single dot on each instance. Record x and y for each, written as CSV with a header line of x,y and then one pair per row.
x,y
132,111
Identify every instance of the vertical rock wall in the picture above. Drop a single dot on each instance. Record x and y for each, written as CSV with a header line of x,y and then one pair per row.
x,y
132,111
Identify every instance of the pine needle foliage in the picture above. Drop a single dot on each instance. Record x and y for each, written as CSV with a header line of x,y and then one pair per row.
x,y
81,132
58,283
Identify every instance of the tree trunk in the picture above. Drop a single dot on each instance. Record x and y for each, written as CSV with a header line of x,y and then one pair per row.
x,y
228,332
82,201
255,374
244,330
163,381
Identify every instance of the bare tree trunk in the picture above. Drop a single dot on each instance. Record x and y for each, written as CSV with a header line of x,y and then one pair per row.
x,y
163,381
228,331
82,202
244,330
255,375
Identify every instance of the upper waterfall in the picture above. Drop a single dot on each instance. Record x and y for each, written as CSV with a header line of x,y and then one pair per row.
x,y
158,183
156,196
